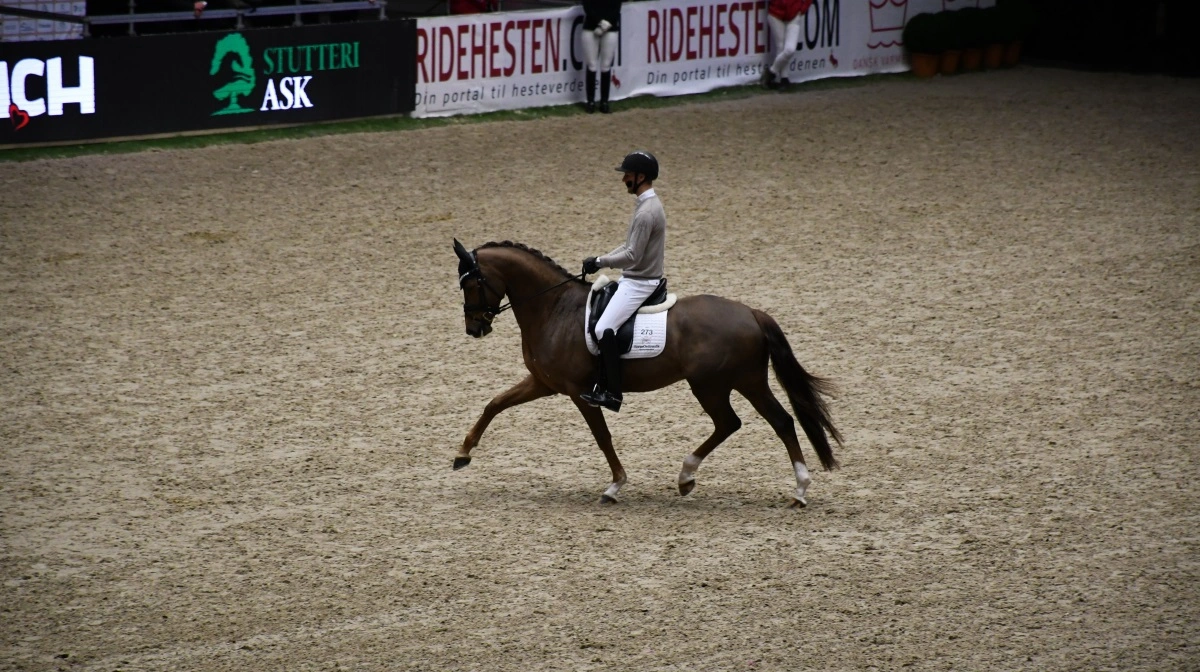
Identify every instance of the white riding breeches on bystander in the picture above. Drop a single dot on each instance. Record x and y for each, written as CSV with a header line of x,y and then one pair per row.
x,y
784,37
599,52
631,292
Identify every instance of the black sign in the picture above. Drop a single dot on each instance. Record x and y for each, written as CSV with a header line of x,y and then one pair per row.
x,y
130,86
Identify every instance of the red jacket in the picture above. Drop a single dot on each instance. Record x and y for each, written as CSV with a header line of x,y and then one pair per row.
x,y
786,10
470,6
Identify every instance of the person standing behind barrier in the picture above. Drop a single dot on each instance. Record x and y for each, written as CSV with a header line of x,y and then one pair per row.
x,y
601,33
470,6
783,18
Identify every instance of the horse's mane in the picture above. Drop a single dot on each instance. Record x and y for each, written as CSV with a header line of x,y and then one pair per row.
x,y
536,254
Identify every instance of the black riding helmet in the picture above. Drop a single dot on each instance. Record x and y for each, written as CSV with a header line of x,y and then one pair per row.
x,y
640,162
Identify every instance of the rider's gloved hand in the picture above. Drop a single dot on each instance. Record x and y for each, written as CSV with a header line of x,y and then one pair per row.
x,y
590,265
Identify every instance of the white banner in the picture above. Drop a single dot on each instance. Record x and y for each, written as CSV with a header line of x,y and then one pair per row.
x,y
485,62
18,28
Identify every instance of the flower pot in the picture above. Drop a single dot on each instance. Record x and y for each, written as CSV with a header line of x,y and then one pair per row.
x,y
993,56
949,61
1012,53
972,59
924,65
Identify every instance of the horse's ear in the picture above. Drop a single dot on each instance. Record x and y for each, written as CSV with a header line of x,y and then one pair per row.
x,y
461,251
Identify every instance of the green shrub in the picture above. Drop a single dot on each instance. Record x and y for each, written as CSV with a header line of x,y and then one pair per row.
x,y
923,35
1015,19
990,26
969,28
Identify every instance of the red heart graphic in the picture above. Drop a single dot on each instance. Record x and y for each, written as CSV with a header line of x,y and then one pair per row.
x,y
13,113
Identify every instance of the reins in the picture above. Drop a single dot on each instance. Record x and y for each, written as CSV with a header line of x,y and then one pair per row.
x,y
508,305
488,313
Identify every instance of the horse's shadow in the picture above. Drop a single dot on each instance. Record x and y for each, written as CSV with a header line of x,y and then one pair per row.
x,y
642,499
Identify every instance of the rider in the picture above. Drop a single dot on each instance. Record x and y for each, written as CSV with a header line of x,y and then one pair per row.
x,y
641,261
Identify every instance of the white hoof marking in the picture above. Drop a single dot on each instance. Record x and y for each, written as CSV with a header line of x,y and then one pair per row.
x,y
803,479
688,474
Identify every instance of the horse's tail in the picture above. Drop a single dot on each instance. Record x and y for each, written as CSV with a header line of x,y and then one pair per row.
x,y
804,390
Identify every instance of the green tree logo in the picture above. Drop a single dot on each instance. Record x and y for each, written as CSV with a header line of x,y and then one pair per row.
x,y
235,46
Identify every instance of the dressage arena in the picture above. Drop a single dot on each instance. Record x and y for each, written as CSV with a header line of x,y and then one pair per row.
x,y
233,381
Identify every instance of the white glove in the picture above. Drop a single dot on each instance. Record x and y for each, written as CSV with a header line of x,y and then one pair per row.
x,y
602,28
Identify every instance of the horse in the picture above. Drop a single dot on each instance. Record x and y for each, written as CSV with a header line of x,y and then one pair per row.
x,y
717,345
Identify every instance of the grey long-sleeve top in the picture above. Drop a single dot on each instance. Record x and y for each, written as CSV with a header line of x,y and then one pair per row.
x,y
641,256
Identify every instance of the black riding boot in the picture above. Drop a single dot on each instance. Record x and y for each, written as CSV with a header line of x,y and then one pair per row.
x,y
589,83
607,392
605,87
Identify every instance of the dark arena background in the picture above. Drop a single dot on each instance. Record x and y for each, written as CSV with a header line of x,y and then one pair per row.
x,y
233,380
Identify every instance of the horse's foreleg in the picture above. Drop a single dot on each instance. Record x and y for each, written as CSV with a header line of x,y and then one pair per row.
x,y
715,402
526,390
595,420
781,421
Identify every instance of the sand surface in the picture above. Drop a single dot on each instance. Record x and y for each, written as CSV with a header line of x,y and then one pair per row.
x,y
232,382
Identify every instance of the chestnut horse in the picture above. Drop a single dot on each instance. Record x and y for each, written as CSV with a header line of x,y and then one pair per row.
x,y
715,344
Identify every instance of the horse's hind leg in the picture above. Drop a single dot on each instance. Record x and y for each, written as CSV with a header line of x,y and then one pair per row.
x,y
595,420
715,402
524,391
760,396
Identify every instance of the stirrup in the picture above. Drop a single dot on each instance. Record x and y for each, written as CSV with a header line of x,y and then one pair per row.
x,y
602,398
595,396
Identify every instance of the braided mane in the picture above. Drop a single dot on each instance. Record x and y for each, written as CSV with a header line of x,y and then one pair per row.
x,y
537,254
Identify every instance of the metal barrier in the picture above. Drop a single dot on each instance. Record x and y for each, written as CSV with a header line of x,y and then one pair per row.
x,y
297,9
300,7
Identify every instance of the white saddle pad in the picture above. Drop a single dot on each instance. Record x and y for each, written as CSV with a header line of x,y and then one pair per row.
x,y
649,327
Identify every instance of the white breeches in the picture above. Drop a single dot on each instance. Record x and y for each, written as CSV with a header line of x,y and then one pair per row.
x,y
784,37
630,294
599,52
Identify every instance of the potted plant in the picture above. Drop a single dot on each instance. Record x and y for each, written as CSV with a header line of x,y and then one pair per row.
x,y
992,36
970,29
1017,20
924,44
948,29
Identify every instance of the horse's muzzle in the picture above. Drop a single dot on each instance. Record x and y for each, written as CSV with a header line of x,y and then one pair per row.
x,y
478,329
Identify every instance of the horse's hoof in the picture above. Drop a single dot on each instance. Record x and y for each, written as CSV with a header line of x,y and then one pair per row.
x,y
460,462
686,488
798,504
607,499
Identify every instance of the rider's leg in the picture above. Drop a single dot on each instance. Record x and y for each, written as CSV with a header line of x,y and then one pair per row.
x,y
629,295
607,392
611,356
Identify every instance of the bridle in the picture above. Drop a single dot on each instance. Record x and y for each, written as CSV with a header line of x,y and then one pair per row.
x,y
490,313
476,273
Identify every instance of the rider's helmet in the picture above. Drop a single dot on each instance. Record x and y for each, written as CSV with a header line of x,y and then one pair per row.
x,y
640,162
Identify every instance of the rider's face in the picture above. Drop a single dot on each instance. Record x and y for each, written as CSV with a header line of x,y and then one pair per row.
x,y
630,180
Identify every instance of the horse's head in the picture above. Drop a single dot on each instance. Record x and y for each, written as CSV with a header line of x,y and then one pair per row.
x,y
478,293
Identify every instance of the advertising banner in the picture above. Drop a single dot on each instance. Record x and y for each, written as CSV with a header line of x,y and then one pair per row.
x,y
486,62
15,28
674,47
114,87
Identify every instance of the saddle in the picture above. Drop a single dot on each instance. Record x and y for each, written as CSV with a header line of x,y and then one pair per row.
x,y
598,300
